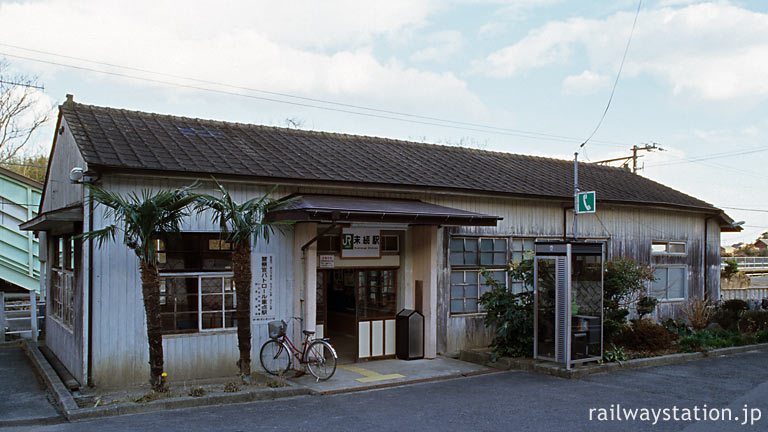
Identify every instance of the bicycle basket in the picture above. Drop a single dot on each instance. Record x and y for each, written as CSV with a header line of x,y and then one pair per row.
x,y
277,329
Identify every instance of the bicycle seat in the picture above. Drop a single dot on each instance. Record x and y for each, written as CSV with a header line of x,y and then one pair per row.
x,y
308,332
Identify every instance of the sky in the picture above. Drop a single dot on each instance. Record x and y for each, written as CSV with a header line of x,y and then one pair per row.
x,y
520,76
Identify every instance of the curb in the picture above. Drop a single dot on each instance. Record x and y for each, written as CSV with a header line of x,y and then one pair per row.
x,y
185,402
483,357
60,392
403,383
71,411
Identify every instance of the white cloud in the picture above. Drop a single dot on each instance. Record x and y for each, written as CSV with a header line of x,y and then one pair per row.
x,y
585,82
441,45
715,51
322,49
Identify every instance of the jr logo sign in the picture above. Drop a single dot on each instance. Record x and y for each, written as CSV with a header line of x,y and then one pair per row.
x,y
587,202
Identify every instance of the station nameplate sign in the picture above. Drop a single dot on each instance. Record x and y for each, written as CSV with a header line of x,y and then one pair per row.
x,y
360,243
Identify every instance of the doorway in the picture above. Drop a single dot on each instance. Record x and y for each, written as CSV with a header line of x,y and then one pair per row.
x,y
357,309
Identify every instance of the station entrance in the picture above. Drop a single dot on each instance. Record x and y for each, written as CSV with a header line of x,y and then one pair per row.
x,y
356,308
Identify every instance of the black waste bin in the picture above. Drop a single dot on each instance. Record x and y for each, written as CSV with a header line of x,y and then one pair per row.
x,y
409,333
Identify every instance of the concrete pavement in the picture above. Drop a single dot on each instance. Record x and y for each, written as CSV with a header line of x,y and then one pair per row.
x,y
24,399
491,402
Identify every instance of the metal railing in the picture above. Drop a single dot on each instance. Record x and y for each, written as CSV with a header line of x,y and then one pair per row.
x,y
18,315
747,263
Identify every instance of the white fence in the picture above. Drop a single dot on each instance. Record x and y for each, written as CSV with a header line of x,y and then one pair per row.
x,y
747,263
752,294
18,315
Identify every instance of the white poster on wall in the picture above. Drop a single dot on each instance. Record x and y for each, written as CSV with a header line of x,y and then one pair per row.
x,y
326,261
263,305
360,243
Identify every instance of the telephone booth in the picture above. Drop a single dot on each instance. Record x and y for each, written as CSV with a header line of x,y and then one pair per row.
x,y
568,302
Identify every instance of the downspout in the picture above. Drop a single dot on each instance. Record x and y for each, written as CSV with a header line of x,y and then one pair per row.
x,y
705,255
89,374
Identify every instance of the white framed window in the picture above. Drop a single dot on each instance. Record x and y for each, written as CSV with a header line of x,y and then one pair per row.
x,y
669,248
671,282
196,302
467,286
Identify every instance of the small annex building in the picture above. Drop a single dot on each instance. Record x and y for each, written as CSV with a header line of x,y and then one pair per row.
x,y
381,225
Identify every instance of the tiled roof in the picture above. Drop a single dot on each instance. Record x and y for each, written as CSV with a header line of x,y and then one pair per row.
x,y
115,138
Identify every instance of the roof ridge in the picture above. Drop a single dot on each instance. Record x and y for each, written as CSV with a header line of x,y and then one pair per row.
x,y
374,139
249,149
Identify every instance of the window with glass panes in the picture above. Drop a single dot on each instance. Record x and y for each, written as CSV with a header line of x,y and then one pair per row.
x,y
197,292
520,249
670,283
467,256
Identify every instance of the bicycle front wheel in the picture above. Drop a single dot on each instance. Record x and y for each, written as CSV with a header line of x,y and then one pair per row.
x,y
321,359
274,357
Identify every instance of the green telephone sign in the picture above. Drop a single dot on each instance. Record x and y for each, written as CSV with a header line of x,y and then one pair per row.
x,y
587,201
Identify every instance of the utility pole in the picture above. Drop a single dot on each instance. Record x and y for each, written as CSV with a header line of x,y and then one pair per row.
x,y
649,147
576,196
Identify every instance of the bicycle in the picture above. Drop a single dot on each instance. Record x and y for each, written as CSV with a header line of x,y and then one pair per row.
x,y
278,353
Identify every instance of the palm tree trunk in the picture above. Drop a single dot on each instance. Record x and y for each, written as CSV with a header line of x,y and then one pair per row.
x,y
241,263
150,288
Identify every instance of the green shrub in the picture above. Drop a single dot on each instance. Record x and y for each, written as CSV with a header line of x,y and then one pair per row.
x,y
646,305
736,306
730,270
729,314
512,316
761,336
753,321
644,335
716,338
679,328
615,354
623,285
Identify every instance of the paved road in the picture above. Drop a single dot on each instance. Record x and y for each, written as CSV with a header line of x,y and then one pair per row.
x,y
23,396
499,401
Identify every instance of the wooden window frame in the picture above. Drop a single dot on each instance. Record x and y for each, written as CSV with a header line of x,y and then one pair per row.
x,y
668,247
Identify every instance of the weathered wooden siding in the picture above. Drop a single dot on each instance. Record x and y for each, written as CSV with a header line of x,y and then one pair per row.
x,y
67,343
120,352
59,191
119,342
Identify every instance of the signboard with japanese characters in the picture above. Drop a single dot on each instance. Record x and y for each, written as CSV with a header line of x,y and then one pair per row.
x,y
325,261
360,243
263,304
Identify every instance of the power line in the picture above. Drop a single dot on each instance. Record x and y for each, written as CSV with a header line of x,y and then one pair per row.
x,y
711,156
745,209
409,117
618,74
24,165
12,83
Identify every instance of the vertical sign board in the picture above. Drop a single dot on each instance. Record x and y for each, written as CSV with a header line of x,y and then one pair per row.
x,y
587,202
263,304
360,243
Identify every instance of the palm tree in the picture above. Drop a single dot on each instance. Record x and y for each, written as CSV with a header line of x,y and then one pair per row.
x,y
239,223
143,219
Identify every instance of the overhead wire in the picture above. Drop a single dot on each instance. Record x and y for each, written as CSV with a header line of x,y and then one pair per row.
x,y
618,74
408,117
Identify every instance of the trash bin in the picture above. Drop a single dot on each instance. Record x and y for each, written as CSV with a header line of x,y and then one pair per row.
x,y
409,331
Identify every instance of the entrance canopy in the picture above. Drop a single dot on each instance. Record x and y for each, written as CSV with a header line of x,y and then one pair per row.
x,y
335,208
55,219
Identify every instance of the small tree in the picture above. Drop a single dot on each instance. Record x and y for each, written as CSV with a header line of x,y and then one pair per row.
x,y
511,315
242,225
731,269
21,112
143,219
624,283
